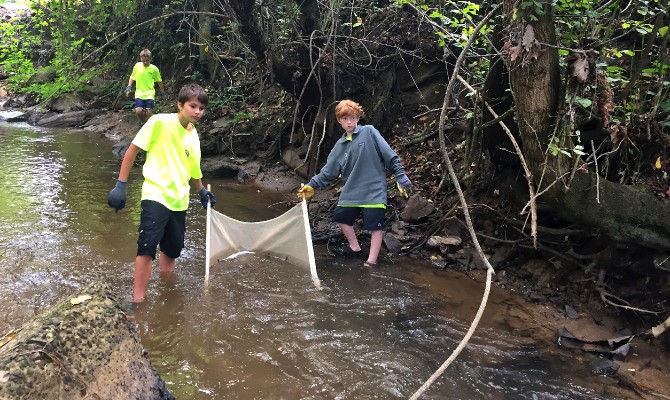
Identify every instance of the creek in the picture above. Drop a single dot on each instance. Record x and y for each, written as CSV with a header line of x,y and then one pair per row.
x,y
258,329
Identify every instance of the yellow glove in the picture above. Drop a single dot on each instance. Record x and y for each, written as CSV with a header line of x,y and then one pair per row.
x,y
305,192
402,191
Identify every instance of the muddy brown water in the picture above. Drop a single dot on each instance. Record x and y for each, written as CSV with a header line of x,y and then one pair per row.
x,y
257,329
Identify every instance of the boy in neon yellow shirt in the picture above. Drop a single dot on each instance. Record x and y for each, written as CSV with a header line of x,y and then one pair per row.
x,y
146,75
173,162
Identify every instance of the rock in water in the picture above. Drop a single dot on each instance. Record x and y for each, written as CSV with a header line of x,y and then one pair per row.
x,y
84,348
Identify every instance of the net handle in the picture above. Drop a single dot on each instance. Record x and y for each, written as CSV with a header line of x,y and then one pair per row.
x,y
208,234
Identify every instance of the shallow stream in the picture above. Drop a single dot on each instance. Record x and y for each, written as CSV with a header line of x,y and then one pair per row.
x,y
258,329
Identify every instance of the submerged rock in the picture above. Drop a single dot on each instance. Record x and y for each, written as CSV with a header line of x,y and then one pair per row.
x,y
84,348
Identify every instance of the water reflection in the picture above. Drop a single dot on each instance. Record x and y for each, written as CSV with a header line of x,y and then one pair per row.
x,y
258,329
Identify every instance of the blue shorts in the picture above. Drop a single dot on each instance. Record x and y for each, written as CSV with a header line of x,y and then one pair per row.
x,y
160,225
147,104
373,218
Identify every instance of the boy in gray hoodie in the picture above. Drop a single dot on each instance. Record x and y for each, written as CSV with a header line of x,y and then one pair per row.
x,y
362,157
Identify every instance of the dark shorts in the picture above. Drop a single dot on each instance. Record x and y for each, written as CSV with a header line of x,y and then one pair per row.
x,y
373,218
148,104
160,226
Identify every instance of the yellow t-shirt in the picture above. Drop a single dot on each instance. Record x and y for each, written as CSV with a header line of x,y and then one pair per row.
x,y
145,79
173,159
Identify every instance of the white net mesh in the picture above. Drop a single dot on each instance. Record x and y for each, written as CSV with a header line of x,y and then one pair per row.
x,y
287,237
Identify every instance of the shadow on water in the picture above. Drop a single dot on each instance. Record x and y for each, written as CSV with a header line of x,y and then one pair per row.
x,y
258,329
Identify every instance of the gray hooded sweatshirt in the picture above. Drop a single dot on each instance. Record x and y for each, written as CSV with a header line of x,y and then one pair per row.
x,y
362,162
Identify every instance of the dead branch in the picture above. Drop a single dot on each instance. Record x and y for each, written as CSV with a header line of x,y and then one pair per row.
x,y
605,296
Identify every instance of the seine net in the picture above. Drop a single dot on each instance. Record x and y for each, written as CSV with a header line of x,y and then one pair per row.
x,y
287,236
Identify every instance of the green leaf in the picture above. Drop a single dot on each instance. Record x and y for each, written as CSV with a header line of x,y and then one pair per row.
x,y
586,103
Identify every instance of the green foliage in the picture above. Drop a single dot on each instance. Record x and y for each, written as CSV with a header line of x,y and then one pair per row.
x,y
58,35
529,10
15,54
242,116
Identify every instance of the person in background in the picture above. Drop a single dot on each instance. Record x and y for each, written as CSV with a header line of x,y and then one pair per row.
x,y
362,157
172,164
145,75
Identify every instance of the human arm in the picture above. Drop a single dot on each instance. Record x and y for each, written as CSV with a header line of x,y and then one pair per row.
x,y
392,162
128,160
117,196
128,88
328,173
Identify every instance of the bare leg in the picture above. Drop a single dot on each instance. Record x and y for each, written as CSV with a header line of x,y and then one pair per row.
x,y
139,113
350,234
166,268
142,276
376,238
147,114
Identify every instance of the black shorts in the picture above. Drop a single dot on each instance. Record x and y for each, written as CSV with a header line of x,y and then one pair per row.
x,y
160,226
373,218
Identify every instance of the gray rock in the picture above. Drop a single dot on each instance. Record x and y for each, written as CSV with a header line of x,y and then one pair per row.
x,y
68,119
84,348
65,102
604,366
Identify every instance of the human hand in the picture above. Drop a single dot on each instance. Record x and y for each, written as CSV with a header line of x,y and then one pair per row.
x,y
404,185
127,90
305,192
117,196
206,196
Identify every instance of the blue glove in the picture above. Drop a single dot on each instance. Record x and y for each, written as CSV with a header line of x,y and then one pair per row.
x,y
206,195
404,185
117,196
127,90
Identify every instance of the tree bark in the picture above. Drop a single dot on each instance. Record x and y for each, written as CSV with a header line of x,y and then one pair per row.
x,y
208,57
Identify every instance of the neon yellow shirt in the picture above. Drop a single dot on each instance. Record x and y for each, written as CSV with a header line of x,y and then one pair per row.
x,y
145,78
173,159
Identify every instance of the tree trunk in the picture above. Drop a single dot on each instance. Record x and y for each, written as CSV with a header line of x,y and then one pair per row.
x,y
208,58
623,214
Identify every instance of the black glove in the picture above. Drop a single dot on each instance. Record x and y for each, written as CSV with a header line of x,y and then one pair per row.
x,y
206,195
117,196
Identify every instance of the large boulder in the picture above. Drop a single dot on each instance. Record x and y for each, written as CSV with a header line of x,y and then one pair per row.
x,y
86,347
67,119
65,102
